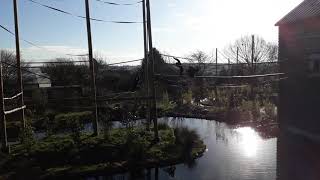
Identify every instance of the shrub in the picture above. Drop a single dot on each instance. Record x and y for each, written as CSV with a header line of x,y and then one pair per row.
x,y
26,136
136,144
187,97
72,122
166,105
269,111
163,126
186,138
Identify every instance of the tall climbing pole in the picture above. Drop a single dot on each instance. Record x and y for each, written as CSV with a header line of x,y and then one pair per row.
x,y
92,71
146,61
18,56
152,79
4,140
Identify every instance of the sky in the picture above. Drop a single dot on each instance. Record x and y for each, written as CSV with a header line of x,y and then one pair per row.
x,y
179,27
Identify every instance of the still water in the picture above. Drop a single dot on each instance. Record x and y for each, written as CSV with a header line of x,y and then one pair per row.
x,y
232,154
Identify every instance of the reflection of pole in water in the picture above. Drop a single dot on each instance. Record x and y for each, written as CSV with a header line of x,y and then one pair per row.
x,y
148,174
156,174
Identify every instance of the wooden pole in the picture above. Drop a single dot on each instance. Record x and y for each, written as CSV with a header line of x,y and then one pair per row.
x,y
215,87
146,59
252,54
92,71
18,56
216,61
237,55
4,140
252,67
152,85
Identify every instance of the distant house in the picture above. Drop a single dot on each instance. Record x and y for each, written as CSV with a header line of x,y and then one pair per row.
x,y
299,55
36,79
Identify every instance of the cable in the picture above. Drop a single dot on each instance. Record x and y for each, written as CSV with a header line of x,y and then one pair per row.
x,y
124,62
83,17
119,4
33,44
55,62
166,55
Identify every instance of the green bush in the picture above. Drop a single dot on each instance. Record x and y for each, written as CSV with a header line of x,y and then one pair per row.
x,y
165,105
187,97
26,135
186,138
72,122
163,126
136,144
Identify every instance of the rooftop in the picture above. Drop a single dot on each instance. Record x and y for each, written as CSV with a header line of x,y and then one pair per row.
x,y
307,9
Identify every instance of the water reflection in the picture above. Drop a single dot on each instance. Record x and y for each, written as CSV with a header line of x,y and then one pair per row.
x,y
233,154
248,141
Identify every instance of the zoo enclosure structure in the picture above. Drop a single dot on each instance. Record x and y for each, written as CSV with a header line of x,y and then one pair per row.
x,y
148,49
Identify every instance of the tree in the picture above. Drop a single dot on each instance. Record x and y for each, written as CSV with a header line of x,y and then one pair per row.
x,y
9,71
67,73
263,51
200,58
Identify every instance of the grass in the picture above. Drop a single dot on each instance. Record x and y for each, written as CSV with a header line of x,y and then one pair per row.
x,y
123,149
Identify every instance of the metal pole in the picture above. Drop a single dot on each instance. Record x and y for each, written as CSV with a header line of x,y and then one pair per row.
x,y
92,70
146,60
18,56
152,85
4,140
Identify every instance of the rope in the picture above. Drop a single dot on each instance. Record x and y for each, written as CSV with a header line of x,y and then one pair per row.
x,y
14,110
13,97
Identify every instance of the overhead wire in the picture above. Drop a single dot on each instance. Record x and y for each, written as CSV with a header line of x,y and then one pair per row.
x,y
37,46
119,4
83,17
124,62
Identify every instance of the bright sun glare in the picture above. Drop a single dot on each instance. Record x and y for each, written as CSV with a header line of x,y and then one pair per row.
x,y
248,141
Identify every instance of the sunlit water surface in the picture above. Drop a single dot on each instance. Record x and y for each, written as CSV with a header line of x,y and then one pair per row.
x,y
232,154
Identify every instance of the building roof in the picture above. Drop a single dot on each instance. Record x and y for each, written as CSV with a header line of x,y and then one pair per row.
x,y
37,78
307,9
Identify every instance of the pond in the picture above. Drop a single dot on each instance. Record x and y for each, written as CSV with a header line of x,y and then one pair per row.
x,y
232,154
